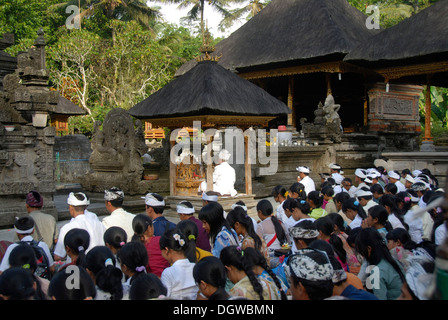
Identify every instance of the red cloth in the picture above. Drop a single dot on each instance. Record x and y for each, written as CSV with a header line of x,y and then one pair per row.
x,y
156,263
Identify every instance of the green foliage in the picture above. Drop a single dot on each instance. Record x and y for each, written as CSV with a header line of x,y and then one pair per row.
x,y
393,11
439,107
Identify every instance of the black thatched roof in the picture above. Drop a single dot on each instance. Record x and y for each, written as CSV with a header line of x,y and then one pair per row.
x,y
295,31
420,39
209,89
67,107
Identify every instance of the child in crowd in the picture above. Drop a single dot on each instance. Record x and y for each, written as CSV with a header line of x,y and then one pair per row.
x,y
144,232
246,282
17,284
133,259
190,229
178,278
315,200
100,264
220,233
83,290
243,226
210,275
76,242
272,232
147,287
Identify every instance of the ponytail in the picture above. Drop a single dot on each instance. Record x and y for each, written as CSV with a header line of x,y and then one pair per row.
x,y
233,256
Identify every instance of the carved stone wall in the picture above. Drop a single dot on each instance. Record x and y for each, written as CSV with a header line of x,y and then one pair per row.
x,y
394,116
26,148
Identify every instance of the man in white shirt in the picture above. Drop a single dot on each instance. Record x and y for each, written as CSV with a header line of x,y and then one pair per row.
x,y
118,217
365,198
224,175
305,179
360,176
77,204
394,177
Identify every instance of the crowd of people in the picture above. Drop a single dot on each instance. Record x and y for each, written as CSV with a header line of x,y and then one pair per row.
x,y
374,238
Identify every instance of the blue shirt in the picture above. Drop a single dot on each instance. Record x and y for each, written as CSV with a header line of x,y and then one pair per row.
x,y
161,224
357,294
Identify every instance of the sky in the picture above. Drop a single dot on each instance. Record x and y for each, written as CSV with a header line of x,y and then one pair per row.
x,y
173,15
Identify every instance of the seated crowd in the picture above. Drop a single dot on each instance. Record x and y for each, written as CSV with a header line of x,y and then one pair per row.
x,y
371,238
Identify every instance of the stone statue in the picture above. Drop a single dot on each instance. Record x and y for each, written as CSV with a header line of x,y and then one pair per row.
x,y
116,158
331,109
326,127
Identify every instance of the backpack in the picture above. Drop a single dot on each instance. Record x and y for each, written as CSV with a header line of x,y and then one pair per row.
x,y
43,265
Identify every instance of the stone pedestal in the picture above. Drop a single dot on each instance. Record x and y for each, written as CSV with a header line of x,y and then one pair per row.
x,y
394,116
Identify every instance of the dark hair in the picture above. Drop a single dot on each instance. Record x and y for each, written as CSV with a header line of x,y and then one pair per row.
x,y
326,226
351,239
23,256
211,270
213,214
239,215
302,205
191,232
377,188
140,224
168,240
266,209
338,221
147,286
317,199
391,187
323,245
58,285
298,188
380,213
279,190
354,204
233,256
78,240
134,256
118,202
17,284
390,201
404,237
370,237
341,197
405,198
24,223
115,237
328,191
255,258
107,276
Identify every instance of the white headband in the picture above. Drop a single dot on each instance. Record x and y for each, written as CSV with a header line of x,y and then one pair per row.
x,y
393,174
239,205
113,194
303,169
152,201
410,178
363,193
360,173
206,197
183,209
224,155
23,231
73,201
